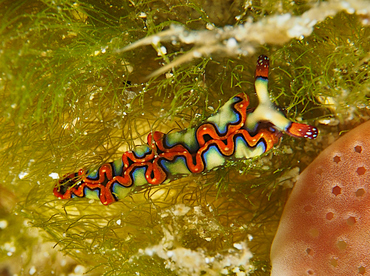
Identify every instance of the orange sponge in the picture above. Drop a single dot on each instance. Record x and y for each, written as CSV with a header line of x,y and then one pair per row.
x,y
325,226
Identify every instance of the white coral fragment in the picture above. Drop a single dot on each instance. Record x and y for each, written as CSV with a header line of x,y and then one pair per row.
x,y
243,39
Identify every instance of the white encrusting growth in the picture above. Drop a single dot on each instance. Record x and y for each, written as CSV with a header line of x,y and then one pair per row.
x,y
186,261
242,39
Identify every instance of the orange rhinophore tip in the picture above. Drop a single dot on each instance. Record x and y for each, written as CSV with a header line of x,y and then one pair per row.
x,y
262,68
302,130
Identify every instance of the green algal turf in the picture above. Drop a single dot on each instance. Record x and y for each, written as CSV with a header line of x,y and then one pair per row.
x,y
68,100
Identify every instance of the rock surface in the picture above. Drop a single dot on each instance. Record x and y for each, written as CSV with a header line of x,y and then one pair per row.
x,y
325,226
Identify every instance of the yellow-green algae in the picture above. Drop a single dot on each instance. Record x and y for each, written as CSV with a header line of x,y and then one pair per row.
x,y
66,103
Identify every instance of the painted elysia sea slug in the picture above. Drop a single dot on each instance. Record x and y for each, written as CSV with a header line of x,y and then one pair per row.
x,y
325,226
234,132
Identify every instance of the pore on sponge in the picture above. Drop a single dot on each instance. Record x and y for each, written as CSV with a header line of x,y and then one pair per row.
x,y
325,226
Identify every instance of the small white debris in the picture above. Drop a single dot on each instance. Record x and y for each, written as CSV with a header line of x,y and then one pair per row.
x,y
238,246
22,175
3,224
32,270
79,269
149,251
156,40
224,271
231,43
169,75
103,49
54,175
288,150
329,121
9,246
142,15
210,26
118,221
164,215
163,50
180,209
